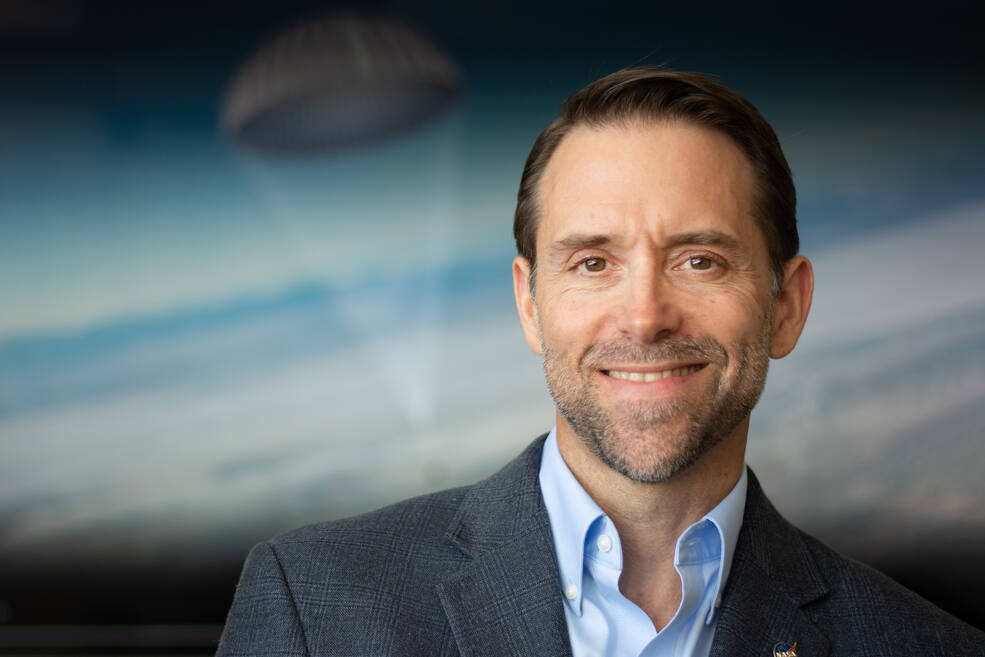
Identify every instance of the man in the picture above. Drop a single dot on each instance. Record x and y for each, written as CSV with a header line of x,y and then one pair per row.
x,y
658,272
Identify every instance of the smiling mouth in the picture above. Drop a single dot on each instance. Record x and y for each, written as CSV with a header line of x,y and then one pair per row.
x,y
649,377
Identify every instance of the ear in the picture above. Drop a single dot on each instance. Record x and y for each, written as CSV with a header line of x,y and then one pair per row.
x,y
525,305
792,305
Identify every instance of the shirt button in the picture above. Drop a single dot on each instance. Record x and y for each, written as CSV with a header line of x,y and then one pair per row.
x,y
571,591
604,543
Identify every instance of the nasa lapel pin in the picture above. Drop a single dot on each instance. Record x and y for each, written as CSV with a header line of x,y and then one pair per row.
x,y
782,649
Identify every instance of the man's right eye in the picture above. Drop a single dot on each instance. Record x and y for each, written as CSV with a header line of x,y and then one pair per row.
x,y
594,264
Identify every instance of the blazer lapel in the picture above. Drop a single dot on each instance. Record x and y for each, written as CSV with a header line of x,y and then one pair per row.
x,y
506,600
773,576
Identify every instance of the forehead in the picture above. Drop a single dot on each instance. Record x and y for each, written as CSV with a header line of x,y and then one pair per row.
x,y
665,178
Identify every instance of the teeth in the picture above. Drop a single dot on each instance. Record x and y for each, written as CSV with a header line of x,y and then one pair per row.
x,y
648,377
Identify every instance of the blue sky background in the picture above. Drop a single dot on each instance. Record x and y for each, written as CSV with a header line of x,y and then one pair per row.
x,y
200,347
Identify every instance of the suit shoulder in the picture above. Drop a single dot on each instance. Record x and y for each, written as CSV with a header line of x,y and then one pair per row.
x,y
360,585
867,602
413,525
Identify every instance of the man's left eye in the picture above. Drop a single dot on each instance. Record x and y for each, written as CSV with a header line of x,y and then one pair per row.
x,y
701,263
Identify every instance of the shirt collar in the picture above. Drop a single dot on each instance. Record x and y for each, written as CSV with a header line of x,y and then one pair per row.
x,y
727,517
572,512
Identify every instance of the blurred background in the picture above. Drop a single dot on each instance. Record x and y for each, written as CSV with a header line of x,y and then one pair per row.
x,y
255,273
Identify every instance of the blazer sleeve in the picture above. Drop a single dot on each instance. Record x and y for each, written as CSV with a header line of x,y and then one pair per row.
x,y
263,619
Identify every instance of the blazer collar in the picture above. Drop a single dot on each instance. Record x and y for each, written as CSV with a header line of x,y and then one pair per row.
x,y
773,577
506,599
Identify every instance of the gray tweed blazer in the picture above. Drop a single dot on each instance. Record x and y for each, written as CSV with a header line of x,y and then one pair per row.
x,y
472,572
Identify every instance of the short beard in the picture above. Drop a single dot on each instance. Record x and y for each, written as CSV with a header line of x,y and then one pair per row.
x,y
627,439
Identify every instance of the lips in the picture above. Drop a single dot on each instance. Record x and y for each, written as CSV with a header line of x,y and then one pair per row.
x,y
649,377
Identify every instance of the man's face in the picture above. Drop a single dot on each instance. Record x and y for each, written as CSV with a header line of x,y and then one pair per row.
x,y
653,305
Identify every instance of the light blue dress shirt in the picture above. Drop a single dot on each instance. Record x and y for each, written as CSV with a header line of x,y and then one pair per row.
x,y
601,621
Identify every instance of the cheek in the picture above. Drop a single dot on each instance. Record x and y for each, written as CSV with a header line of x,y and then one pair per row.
x,y
727,314
567,321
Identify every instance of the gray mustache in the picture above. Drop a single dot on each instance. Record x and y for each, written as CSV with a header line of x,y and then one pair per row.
x,y
705,349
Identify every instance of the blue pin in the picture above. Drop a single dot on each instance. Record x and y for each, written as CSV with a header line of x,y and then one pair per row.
x,y
783,649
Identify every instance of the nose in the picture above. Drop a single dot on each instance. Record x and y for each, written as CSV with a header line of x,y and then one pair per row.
x,y
651,310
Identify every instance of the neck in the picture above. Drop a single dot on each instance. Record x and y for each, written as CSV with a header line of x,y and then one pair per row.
x,y
651,516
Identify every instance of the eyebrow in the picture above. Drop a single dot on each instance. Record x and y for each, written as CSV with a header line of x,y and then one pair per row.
x,y
578,241
706,238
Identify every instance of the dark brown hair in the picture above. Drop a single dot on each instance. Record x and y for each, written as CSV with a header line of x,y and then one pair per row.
x,y
662,95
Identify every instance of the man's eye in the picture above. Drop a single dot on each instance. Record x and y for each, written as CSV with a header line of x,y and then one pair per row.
x,y
701,263
594,264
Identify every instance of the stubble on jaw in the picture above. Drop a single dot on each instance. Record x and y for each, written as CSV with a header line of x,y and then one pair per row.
x,y
636,439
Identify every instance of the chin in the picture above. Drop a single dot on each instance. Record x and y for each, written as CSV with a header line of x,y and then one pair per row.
x,y
650,456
